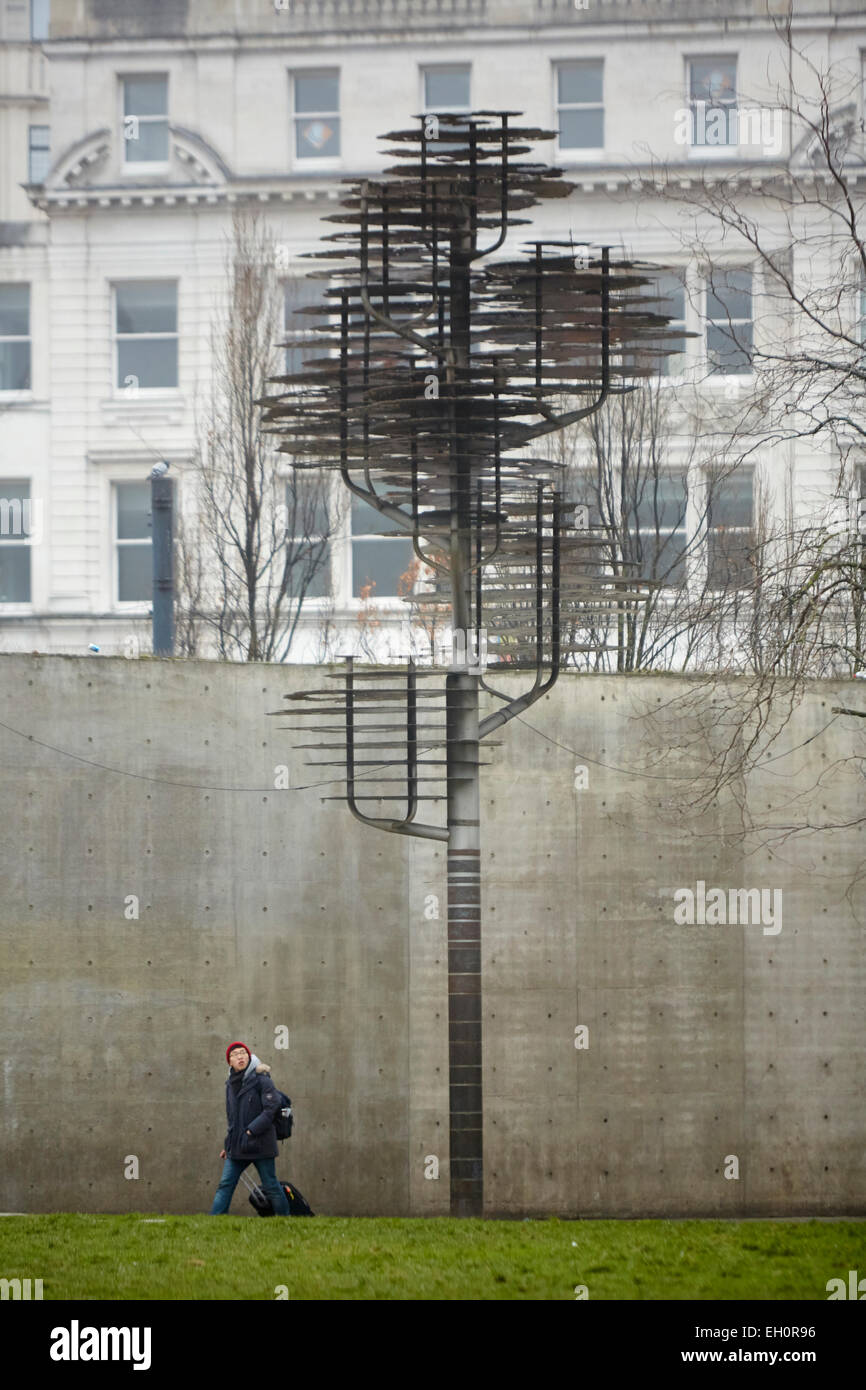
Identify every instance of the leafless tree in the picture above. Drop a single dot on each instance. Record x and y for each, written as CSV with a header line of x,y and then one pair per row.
x,y
189,584
802,229
654,479
798,220
260,545
428,612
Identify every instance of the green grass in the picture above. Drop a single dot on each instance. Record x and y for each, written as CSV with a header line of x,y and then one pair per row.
x,y
199,1257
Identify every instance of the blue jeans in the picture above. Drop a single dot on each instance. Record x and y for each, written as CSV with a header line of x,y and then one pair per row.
x,y
232,1169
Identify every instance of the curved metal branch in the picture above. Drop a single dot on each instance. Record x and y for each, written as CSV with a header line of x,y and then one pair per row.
x,y
405,826
503,201
403,330
515,706
437,566
482,560
558,422
369,493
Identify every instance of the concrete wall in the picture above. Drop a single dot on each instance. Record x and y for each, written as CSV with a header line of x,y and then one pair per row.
x,y
261,907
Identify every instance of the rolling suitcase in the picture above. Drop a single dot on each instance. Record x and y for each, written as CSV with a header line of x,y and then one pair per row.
x,y
261,1202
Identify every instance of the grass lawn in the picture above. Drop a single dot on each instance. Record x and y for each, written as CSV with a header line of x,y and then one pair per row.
x,y
141,1256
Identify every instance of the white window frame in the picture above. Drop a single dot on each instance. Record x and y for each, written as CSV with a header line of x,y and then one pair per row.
x,y
388,603
714,376
37,149
578,154
10,607
683,275
584,473
698,151
314,162
122,393
304,337
338,497
442,144
682,475
709,528
679,375
20,393
317,602
423,70
124,605
143,166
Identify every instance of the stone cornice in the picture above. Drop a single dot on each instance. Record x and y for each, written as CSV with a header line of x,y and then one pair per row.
x,y
218,185
181,195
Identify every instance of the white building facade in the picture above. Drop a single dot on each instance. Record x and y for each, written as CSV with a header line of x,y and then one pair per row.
x,y
131,132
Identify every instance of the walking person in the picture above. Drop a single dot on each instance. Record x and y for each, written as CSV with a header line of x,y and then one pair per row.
x,y
251,1103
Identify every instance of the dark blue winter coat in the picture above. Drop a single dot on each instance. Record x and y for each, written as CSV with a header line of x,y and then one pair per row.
x,y
252,1106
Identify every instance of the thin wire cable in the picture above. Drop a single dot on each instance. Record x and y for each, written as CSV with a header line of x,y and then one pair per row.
x,y
168,782
662,776
330,781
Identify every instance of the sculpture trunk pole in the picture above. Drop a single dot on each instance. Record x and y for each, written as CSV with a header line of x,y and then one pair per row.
x,y
464,842
464,948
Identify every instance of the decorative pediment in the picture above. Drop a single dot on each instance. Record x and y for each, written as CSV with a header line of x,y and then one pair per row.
x,y
197,158
846,139
90,173
92,164
81,162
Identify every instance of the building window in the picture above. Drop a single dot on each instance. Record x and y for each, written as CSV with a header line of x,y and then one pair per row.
x,y
729,322
379,560
579,105
40,20
16,527
14,337
145,119
660,515
316,114
730,537
713,101
447,88
671,292
134,543
146,330
309,529
666,353
300,294
39,153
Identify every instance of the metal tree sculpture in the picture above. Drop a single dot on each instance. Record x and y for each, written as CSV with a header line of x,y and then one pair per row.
x,y
437,376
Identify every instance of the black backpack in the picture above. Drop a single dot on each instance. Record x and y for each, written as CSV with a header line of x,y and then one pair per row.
x,y
298,1204
284,1118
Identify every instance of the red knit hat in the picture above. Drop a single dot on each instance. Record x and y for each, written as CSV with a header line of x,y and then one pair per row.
x,y
233,1045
